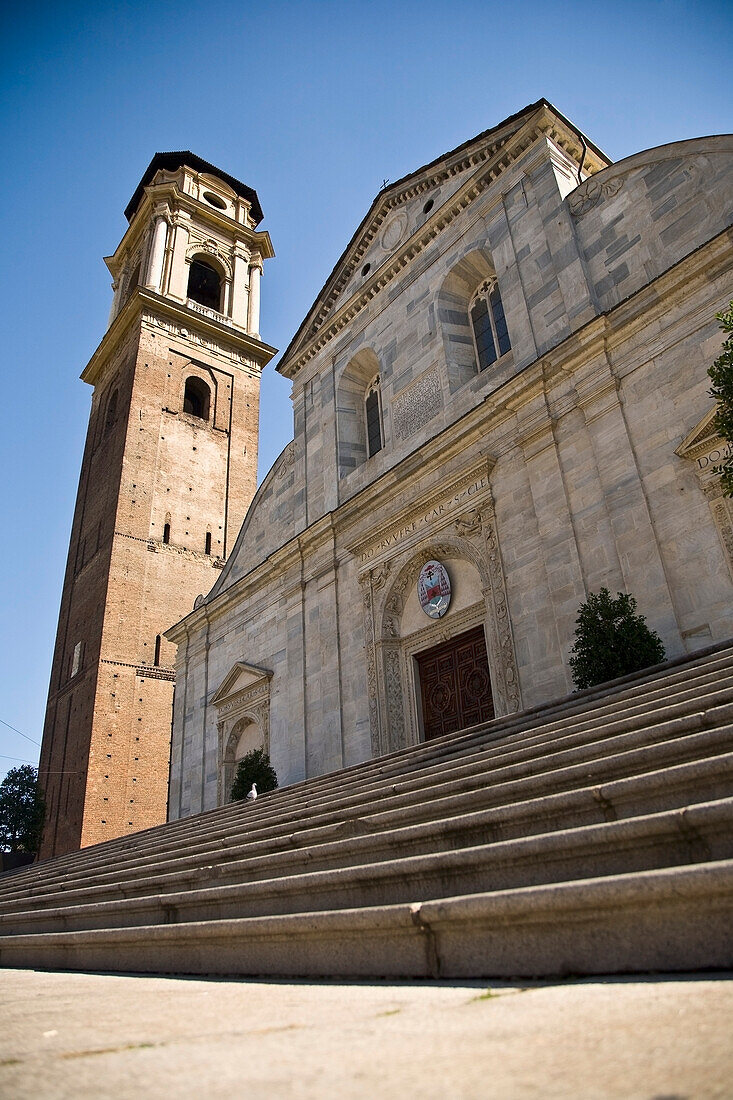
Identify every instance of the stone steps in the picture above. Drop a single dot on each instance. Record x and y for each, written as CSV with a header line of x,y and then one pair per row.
x,y
593,834
213,832
506,807
664,920
511,776
321,849
695,833
681,680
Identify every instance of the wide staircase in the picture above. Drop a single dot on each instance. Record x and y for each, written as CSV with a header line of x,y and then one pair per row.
x,y
591,835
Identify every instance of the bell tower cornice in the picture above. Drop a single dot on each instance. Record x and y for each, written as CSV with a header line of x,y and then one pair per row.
x,y
182,322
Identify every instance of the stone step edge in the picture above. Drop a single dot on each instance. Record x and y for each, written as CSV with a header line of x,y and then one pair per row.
x,y
663,920
430,780
477,743
525,742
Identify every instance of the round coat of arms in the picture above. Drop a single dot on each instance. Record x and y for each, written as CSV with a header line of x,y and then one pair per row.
x,y
433,589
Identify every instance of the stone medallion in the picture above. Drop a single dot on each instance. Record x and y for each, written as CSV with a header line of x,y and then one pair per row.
x,y
393,232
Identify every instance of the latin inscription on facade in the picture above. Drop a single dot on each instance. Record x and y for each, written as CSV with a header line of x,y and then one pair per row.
x,y
430,516
714,457
417,405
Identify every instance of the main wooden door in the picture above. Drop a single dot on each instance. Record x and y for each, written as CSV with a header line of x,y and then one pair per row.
x,y
455,686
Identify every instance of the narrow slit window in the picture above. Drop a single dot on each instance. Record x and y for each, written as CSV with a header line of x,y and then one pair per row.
x,y
156,659
111,411
167,533
208,542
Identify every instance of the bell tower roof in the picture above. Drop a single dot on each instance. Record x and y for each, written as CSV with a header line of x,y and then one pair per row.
x,y
170,162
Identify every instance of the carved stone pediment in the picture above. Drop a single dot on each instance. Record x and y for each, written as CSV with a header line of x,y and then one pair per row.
x,y
702,440
241,681
708,451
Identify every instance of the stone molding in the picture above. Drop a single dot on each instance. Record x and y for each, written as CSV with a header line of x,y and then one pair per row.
x,y
491,161
448,500
200,245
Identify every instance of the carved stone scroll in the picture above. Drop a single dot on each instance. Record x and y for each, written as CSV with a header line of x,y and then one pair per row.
x,y
505,668
366,593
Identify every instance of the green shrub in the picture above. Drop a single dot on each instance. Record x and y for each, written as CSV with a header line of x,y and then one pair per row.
x,y
611,641
255,767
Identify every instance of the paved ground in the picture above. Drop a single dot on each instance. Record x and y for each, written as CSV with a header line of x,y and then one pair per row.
x,y
101,1035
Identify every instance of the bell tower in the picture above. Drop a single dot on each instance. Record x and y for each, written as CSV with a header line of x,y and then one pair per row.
x,y
169,469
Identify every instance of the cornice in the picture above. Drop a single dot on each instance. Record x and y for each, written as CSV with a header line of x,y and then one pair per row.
x,y
703,437
422,504
230,337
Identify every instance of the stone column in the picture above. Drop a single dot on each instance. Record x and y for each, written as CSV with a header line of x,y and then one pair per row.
x,y
253,312
157,253
115,301
179,267
562,566
637,546
240,288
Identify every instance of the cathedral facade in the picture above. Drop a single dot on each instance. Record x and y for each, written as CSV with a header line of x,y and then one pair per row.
x,y
500,406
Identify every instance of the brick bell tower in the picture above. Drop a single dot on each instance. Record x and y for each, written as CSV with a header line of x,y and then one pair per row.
x,y
169,469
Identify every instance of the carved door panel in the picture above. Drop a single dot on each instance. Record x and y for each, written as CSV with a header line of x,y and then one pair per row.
x,y
455,686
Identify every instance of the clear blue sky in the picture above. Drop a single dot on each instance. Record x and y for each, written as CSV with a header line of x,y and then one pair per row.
x,y
313,104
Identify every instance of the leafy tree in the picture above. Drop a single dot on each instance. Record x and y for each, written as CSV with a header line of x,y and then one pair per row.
x,y
610,640
255,767
22,810
721,373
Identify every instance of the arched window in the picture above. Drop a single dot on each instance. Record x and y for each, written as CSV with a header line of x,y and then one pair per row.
x,y
359,423
196,398
166,532
373,414
204,284
489,324
111,411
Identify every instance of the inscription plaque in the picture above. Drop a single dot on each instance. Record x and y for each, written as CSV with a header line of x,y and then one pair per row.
x,y
417,405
